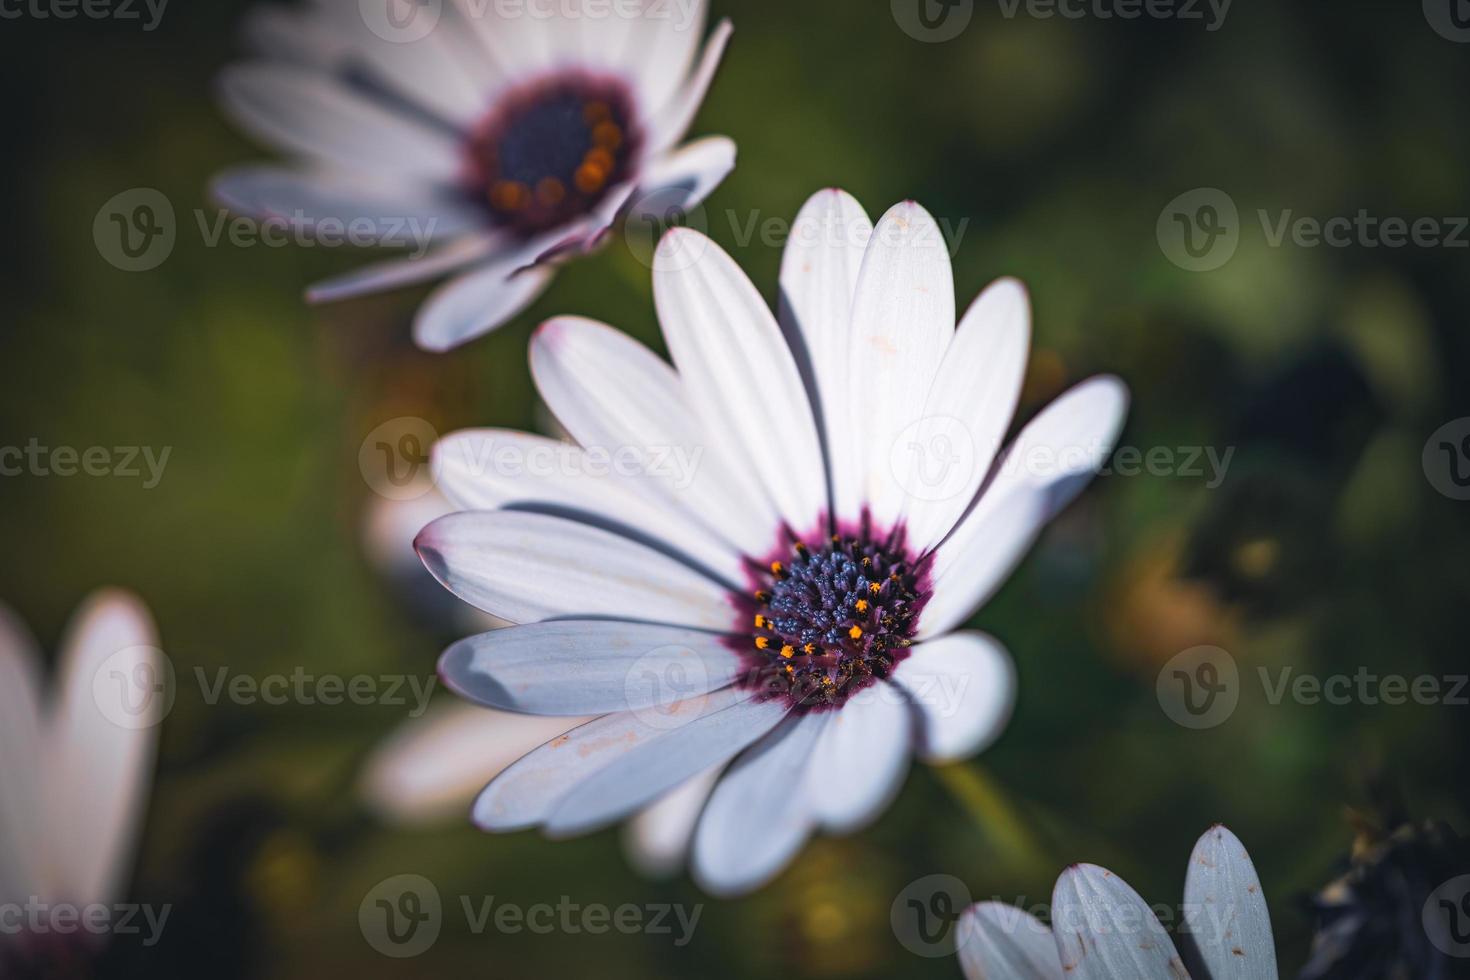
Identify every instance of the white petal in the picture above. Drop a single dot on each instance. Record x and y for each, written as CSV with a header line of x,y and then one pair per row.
x,y
20,762
430,769
526,568
647,772
819,272
307,113
1051,462
678,181
903,320
588,667
760,813
296,34
611,392
1225,910
1105,931
1002,942
950,450
103,767
673,120
398,273
426,62
480,301
658,48
527,793
739,372
657,839
389,210
964,687
518,45
488,469
861,759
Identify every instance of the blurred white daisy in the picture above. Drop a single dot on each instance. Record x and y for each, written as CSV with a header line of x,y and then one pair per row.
x,y
762,553
75,769
504,139
1102,930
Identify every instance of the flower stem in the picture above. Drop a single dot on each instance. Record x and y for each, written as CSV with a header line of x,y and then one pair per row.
x,y
1005,828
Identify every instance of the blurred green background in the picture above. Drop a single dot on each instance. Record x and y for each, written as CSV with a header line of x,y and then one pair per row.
x,y
1060,141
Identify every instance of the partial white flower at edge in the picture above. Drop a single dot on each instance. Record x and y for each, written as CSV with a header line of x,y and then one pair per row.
x,y
496,146
1102,930
74,780
716,616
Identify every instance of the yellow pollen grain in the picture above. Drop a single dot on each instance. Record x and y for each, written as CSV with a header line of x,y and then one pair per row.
x,y
761,642
862,605
856,632
510,195
788,651
595,112
874,588
777,568
760,621
809,649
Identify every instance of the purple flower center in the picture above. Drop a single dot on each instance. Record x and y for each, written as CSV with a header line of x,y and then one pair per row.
x,y
827,619
551,151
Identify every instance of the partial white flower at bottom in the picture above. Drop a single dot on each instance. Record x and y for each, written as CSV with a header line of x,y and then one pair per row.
x,y
75,769
754,562
1102,930
503,139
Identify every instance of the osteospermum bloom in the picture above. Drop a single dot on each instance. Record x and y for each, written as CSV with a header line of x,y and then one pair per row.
x,y
1102,930
503,139
74,774
753,562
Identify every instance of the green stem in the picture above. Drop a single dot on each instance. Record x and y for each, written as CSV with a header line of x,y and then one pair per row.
x,y
997,817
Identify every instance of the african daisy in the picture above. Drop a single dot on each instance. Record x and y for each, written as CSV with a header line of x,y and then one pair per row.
x,y
759,556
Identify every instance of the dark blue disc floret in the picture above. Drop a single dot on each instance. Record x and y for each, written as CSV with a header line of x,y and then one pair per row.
x,y
827,622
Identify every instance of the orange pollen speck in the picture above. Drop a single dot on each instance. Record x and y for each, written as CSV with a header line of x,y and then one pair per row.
x,y
590,178
788,651
862,605
760,621
777,568
761,642
550,191
874,588
809,649
856,632
607,135
595,112
510,195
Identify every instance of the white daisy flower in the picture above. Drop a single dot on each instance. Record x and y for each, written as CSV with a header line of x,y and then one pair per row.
x,y
1102,930
76,771
751,555
506,139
